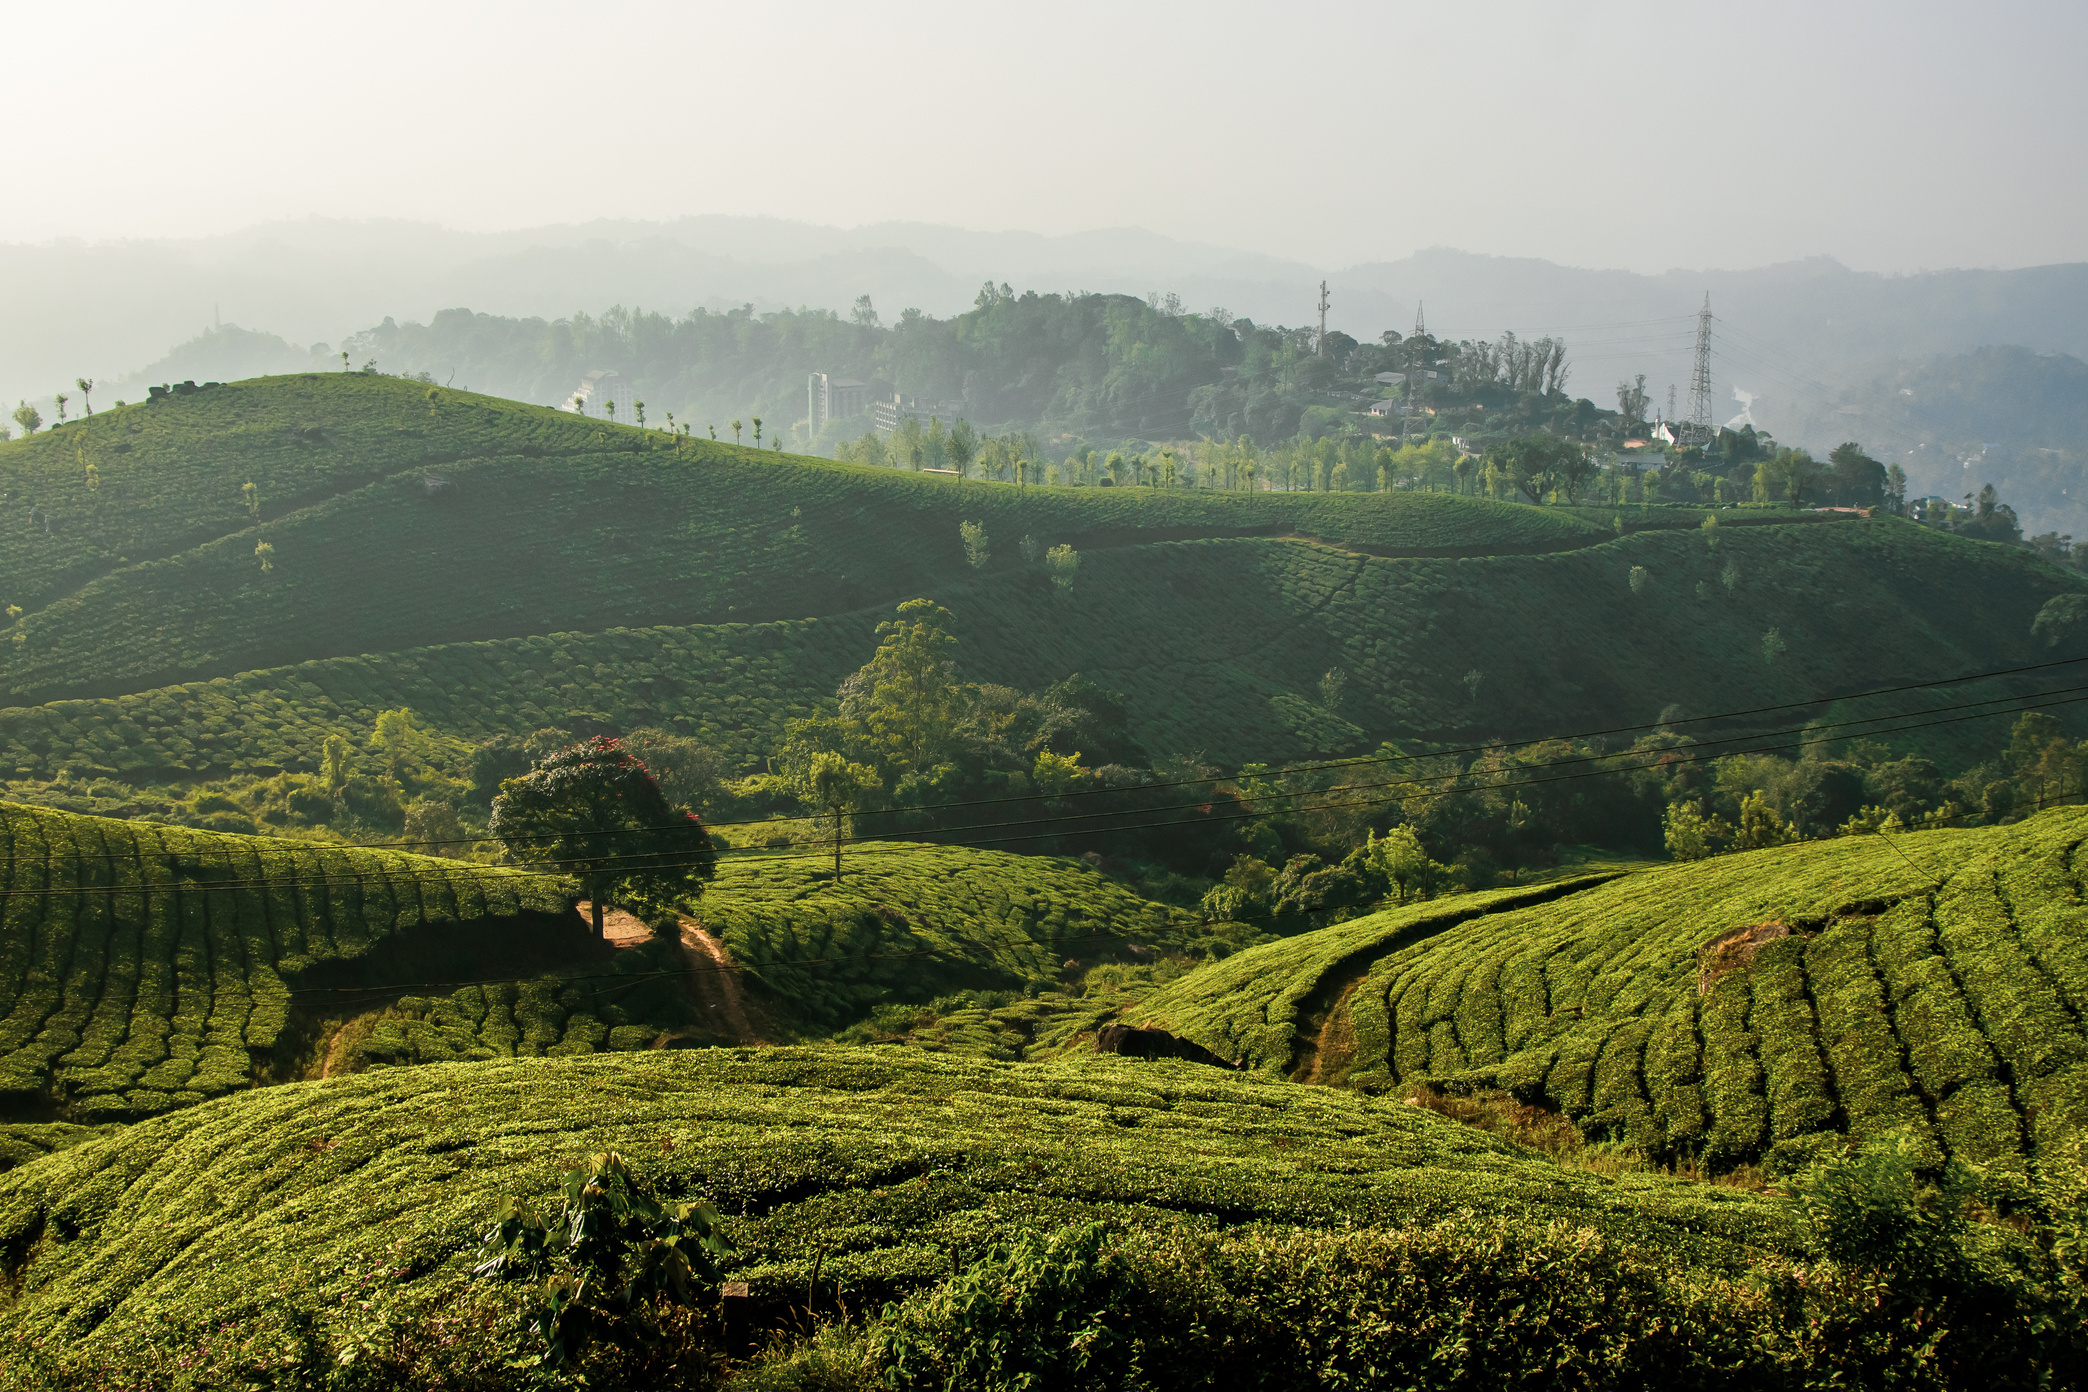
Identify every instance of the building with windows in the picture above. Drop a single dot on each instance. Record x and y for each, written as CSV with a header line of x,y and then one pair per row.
x,y
888,414
828,397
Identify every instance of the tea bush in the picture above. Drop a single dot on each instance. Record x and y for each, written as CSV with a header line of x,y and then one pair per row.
x,y
1749,1007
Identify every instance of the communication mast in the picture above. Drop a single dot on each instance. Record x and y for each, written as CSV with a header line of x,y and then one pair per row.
x,y
1323,319
1420,321
1700,379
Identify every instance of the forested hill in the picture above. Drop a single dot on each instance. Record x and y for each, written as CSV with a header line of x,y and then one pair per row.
x,y
1099,368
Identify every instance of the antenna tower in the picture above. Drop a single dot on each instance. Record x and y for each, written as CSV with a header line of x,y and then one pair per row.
x,y
1323,319
1700,379
1420,321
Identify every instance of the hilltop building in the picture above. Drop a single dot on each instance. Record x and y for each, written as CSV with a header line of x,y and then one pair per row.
x,y
596,387
828,397
888,414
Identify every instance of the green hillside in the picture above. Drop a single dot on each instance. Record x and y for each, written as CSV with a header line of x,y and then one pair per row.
x,y
339,1202
910,922
399,519
1218,639
1748,1005
146,967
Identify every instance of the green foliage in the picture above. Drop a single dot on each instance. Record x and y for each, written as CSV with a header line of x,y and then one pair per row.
x,y
604,1258
593,812
885,1170
147,968
1746,1007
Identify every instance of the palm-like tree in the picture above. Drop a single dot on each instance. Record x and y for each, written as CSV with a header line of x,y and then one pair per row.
x,y
86,386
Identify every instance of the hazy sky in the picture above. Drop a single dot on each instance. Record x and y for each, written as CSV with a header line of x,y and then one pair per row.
x,y
1640,135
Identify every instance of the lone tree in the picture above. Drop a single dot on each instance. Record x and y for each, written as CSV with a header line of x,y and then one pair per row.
x,y
86,386
27,417
962,446
593,811
840,787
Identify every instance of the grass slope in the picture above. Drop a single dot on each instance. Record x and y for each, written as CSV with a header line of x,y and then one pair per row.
x,y
909,922
402,515
1938,993
1219,644
884,1168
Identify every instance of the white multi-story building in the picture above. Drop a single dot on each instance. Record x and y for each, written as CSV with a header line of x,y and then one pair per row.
x,y
828,397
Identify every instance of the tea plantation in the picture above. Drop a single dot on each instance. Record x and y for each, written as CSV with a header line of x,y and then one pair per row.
x,y
1218,644
910,922
144,967
1754,1005
880,1170
401,515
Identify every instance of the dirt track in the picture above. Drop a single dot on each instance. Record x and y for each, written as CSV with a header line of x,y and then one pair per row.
x,y
713,986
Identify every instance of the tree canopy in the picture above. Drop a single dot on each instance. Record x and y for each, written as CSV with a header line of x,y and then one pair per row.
x,y
593,811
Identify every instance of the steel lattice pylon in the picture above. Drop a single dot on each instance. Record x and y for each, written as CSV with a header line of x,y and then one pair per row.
x,y
1700,379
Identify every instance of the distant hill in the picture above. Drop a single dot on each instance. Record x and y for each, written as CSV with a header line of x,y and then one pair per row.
x,y
1955,422
103,310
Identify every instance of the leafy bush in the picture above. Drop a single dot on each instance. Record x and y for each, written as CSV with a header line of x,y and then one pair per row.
x,y
1751,1007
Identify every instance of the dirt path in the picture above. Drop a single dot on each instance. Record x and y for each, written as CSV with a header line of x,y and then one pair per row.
x,y
621,927
713,986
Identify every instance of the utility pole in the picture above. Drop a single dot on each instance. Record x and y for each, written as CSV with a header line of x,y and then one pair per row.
x,y
1323,319
1700,379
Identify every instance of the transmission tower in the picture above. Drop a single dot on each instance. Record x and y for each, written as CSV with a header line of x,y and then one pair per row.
x,y
1700,379
1323,319
1420,321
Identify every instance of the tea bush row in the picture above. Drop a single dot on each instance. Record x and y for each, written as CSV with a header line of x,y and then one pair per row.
x,y
884,1169
143,967
1871,1002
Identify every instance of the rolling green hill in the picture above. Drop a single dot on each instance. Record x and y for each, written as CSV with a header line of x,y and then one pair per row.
x,y
911,921
336,1202
145,968
1758,1004
719,591
400,519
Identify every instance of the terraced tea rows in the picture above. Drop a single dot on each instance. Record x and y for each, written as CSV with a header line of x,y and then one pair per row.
x,y
1747,1006
732,686
909,922
883,1169
1218,644
568,525
145,967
